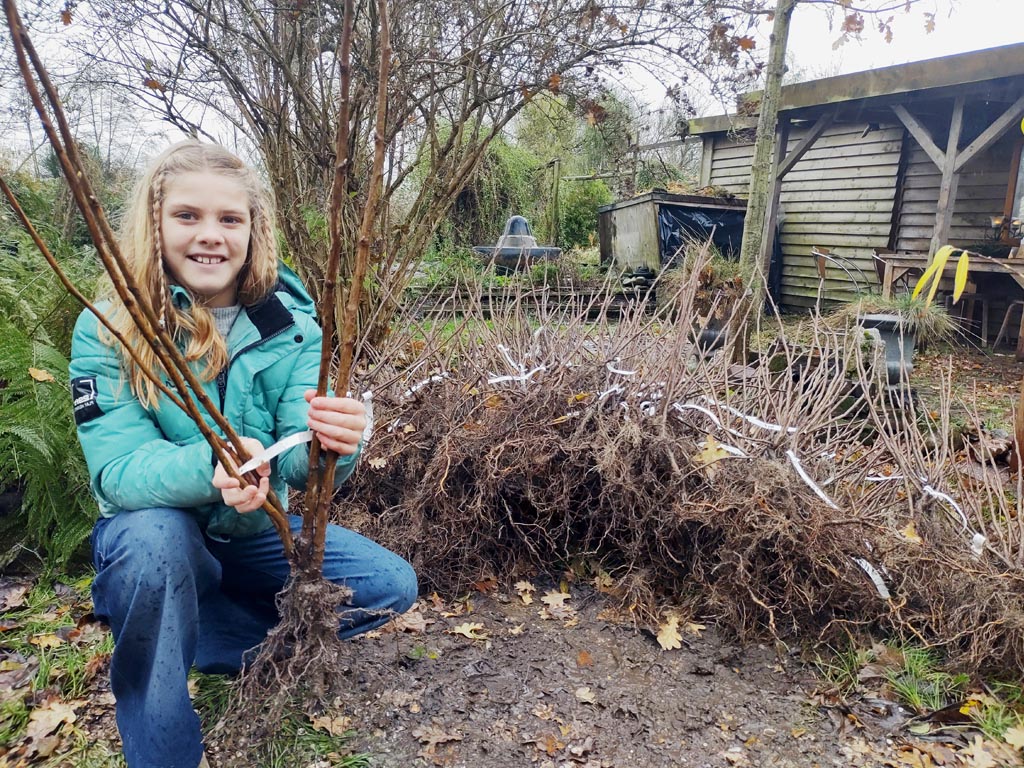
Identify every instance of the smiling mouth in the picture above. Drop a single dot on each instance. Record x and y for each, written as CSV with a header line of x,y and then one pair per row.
x,y
207,259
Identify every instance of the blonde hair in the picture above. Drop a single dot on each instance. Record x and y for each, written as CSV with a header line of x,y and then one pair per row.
x,y
141,246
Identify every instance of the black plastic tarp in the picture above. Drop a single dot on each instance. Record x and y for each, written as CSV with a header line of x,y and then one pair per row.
x,y
680,224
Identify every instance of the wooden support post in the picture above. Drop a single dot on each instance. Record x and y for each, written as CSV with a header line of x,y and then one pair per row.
x,y
992,134
707,153
771,216
785,165
920,133
950,180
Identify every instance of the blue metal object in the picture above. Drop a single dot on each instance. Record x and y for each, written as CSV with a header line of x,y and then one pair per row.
x,y
516,248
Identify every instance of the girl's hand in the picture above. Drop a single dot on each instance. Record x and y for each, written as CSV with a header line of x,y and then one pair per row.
x,y
251,497
338,422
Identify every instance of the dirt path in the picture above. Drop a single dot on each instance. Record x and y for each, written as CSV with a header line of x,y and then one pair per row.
x,y
581,690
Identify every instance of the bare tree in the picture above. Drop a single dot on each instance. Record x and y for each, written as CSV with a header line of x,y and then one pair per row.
x,y
461,70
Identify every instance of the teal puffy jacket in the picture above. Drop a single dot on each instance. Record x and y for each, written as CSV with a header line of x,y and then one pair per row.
x,y
140,458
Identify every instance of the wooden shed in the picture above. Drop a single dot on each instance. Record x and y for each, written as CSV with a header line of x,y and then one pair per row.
x,y
903,158
647,231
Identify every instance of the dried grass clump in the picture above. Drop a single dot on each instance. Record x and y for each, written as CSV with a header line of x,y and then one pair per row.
x,y
763,495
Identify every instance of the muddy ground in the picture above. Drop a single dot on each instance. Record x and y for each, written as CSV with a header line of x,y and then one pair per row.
x,y
586,688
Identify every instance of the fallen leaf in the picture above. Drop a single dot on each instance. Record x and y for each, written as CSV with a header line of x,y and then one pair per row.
x,y
437,602
486,584
378,463
412,621
668,635
914,759
474,630
45,640
16,671
525,591
433,734
336,725
517,630
12,595
493,401
711,454
977,756
603,581
586,695
45,720
910,533
408,429
1015,736
40,375
584,659
695,629
555,599
548,744
544,712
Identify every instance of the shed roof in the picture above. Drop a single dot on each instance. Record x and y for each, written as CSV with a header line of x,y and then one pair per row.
x,y
943,72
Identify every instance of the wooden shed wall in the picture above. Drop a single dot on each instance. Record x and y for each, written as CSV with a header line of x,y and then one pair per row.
x,y
981,193
839,196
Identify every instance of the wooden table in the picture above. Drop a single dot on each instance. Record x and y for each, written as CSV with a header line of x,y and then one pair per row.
x,y
900,266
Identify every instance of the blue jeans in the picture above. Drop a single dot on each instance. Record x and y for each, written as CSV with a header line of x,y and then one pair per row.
x,y
174,598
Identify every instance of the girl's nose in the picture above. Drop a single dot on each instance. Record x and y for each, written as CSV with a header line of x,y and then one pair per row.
x,y
210,233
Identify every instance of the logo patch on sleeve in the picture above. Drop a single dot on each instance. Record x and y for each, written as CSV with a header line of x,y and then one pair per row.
x,y
83,399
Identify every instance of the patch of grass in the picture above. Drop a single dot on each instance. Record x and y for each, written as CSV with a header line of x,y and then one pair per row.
x,y
86,753
930,323
296,743
13,719
995,718
922,685
68,658
842,667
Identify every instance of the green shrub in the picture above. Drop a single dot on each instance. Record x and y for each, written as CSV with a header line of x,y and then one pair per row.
x,y
578,214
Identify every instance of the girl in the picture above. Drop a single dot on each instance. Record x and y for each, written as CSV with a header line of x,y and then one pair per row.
x,y
187,564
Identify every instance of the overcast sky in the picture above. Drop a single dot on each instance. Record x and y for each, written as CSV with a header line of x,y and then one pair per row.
x,y
960,25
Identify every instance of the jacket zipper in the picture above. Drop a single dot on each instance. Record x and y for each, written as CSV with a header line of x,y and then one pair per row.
x,y
222,377
222,386
256,343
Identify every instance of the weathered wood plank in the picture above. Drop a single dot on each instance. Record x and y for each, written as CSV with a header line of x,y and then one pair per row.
x,y
840,174
823,185
829,230
836,195
824,160
968,206
822,218
840,207
848,240
960,218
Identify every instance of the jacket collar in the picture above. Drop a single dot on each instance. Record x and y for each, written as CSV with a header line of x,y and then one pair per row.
x,y
269,316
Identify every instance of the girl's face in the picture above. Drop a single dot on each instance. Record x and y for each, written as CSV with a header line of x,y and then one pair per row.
x,y
204,228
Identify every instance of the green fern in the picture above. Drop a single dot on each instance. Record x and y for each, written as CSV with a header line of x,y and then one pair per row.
x,y
39,450
40,458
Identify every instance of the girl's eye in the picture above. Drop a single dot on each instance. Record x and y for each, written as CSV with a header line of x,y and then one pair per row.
x,y
232,220
185,215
